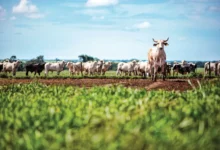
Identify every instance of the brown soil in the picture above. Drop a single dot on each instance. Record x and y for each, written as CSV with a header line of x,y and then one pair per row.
x,y
168,85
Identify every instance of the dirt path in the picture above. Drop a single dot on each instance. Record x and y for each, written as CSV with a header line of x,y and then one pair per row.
x,y
169,85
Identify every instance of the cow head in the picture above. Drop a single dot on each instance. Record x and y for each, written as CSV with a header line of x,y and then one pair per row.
x,y
160,43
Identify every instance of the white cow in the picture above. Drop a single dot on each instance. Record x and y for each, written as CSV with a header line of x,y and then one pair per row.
x,y
157,58
218,69
105,67
90,67
71,68
119,71
144,68
213,67
126,67
10,67
58,66
99,66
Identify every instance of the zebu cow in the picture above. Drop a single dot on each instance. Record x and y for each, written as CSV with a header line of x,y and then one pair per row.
x,y
1,66
90,67
11,67
184,68
218,69
126,67
99,66
213,67
157,58
58,66
143,68
71,68
168,69
105,67
36,68
75,68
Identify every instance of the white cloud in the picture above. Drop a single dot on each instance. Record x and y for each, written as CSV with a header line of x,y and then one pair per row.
x,y
2,13
28,9
24,7
13,18
142,25
96,3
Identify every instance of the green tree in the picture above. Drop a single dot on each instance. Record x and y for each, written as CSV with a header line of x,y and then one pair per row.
x,y
85,58
13,58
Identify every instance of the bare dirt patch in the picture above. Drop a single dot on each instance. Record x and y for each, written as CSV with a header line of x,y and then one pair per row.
x,y
168,85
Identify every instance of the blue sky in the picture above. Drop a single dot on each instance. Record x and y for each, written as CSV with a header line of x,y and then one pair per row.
x,y
109,29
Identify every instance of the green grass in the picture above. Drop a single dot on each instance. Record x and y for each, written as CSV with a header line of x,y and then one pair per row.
x,y
36,116
109,74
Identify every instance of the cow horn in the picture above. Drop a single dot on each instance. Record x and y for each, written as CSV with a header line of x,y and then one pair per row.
x,y
154,40
167,39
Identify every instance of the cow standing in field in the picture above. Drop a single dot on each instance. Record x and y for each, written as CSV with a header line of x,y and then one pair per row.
x,y
90,67
142,68
11,67
71,68
99,66
168,69
58,66
105,67
126,67
36,68
184,68
213,67
157,58
218,69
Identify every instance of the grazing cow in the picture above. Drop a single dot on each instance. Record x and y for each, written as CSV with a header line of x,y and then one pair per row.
x,y
1,66
58,66
213,67
126,67
157,58
105,67
36,68
11,67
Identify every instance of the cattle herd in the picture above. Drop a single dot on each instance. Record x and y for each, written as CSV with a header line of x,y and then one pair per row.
x,y
156,64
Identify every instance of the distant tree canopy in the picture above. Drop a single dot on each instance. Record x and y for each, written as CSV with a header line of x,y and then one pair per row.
x,y
13,58
38,59
85,58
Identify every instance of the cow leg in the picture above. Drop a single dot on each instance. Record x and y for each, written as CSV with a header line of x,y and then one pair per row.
x,y
152,73
155,73
164,71
26,73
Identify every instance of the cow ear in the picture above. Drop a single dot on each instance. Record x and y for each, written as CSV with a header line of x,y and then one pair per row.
x,y
155,44
166,44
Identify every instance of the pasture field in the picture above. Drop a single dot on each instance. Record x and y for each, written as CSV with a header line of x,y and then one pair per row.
x,y
109,74
40,116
